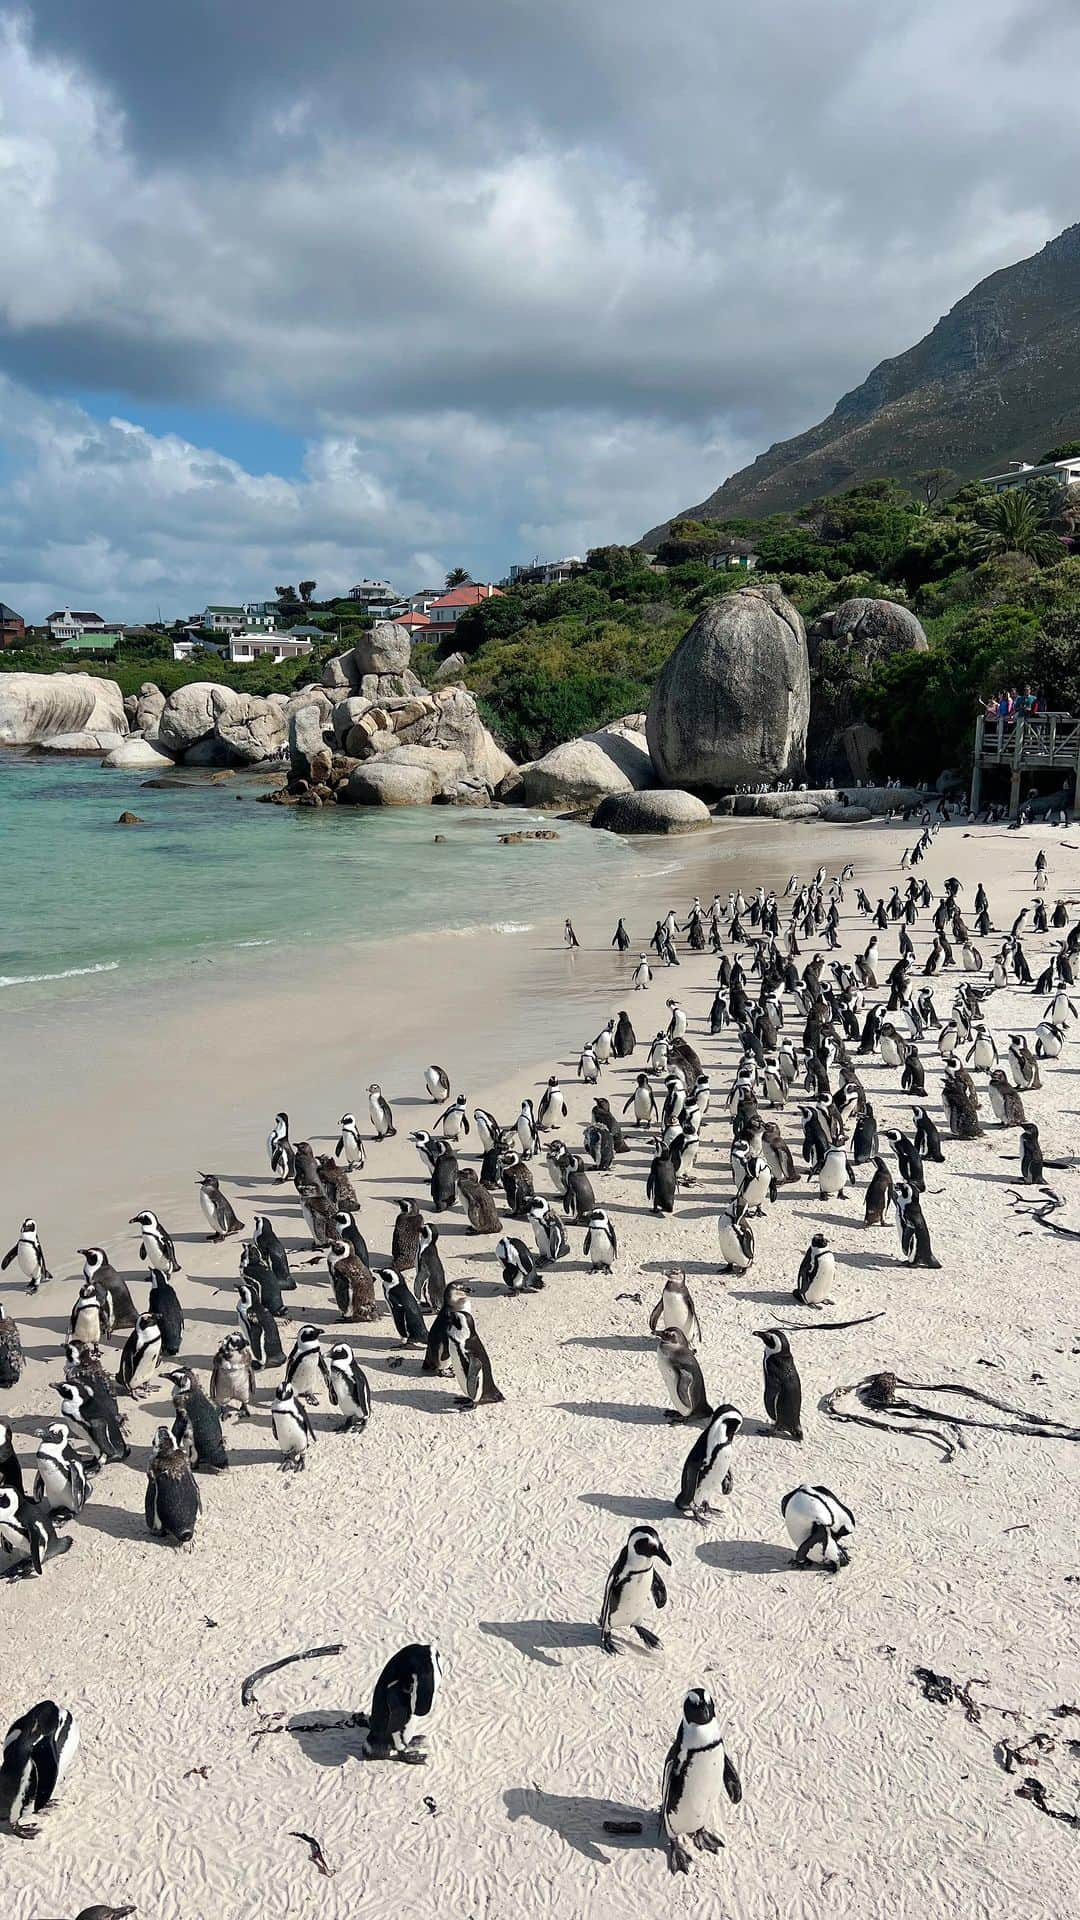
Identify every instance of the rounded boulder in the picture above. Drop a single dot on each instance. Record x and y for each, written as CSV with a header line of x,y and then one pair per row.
x,y
663,810
732,703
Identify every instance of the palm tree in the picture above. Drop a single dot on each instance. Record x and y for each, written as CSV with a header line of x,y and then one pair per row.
x,y
457,577
1014,522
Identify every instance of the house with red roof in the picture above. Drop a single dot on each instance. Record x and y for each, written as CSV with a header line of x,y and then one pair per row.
x,y
445,612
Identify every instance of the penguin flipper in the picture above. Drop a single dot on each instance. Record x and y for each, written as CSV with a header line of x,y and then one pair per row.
x,y
8,1258
153,1520
659,1591
732,1783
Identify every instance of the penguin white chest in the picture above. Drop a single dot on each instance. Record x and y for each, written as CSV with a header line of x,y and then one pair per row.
x,y
54,1482
460,1366
305,1375
822,1278
702,1787
712,1480
633,1602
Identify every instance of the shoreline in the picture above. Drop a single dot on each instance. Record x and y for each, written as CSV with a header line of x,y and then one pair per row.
x,y
493,1533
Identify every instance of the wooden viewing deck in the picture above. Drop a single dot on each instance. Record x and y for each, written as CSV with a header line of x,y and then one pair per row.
x,y
1032,743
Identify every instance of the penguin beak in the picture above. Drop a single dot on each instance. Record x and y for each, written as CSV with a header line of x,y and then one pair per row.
x,y
760,1336
661,1555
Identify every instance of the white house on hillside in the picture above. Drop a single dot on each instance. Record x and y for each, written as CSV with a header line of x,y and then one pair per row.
x,y
378,598
68,626
1066,472
253,616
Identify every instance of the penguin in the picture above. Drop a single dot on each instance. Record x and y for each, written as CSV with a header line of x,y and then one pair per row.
x,y
97,1266
173,1501
914,1232
30,1255
817,1272
633,1589
579,1200
280,1149
1049,1040
404,1308
39,1748
625,1039
164,1304
232,1378
430,1272
682,1376
254,1267
835,1174
11,1353
864,1140
548,1231
601,1241
983,1053
430,1148
603,1116
455,1120
437,1352
908,1158
305,1368
736,1238
526,1130
658,1055
707,1467
437,1083
258,1327
405,1694
783,1388
777,1154
444,1181
155,1246
662,1181
382,1118
675,1308
28,1533
961,1105
90,1320
220,1216
818,1523
927,1138
600,1146
91,1409
350,1146
349,1390
642,975
472,1368
697,1772
551,1111
293,1430
755,1181
517,1184
1023,1065
407,1229
273,1252
643,1102
518,1266
196,1424
1005,1102
1032,1165
488,1131
338,1190
479,1205
588,1067
60,1479
620,938
140,1356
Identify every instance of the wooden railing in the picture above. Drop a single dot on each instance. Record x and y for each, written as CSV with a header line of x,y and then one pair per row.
x,y
1026,744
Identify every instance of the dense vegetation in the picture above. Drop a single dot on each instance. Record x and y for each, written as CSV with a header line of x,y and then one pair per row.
x,y
992,578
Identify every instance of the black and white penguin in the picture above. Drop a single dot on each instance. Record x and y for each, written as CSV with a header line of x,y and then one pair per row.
x,y
91,1315
232,1378
28,1533
1005,1101
155,1244
273,1252
908,1158
643,1103
817,1272
305,1368
707,1468
914,1232
472,1368
220,1214
30,1255
429,1147
579,1200
518,1266
349,1390
91,1409
455,1121
682,1376
39,1748
697,1773
818,1523
258,1326
254,1268
444,1179
437,1352
662,1181
60,1479
549,1233
634,1590
675,1308
526,1129
599,1144
196,1423
624,1039
588,1066
736,1238
835,1174
437,1083
344,1227
601,1241
280,1149
404,1307
350,1146
551,1109
173,1501
783,1388
140,1356
1023,1065
98,1267
10,1467
878,1194
405,1694
382,1117
430,1272
864,1140
1032,1165
488,1131
293,1430
11,1353
927,1137
642,975
164,1304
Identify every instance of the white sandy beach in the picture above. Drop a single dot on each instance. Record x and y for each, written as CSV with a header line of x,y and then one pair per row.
x,y
491,1533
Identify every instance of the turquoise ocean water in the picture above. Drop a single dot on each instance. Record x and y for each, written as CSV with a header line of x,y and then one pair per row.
x,y
85,903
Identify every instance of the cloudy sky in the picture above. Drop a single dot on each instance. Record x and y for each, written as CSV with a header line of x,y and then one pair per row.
x,y
379,287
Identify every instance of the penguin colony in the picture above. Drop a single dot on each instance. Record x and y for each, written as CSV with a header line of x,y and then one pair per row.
x,y
803,1025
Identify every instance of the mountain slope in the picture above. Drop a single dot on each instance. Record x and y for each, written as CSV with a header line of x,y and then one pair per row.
x,y
997,379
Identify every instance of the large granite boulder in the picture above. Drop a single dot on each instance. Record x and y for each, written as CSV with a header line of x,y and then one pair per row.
x,y
149,705
34,706
309,733
664,810
254,728
381,783
88,740
733,702
193,712
136,754
872,628
582,772
385,649
447,768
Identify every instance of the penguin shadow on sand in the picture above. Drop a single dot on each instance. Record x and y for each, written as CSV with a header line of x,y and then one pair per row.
x,y
712,1268
580,1821
766,1296
540,1640
624,1411
613,1342
743,1556
323,1739
630,1506
424,1399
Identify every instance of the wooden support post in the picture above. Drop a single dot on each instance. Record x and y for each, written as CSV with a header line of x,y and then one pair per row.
x,y
1014,792
976,785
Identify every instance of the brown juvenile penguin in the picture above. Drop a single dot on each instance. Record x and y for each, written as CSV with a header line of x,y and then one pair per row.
x,y
352,1281
479,1205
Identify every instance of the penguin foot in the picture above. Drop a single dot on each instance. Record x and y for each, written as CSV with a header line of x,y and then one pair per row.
x,y
412,1757
678,1858
465,1406
707,1842
608,1644
726,1485
670,1414
649,1638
